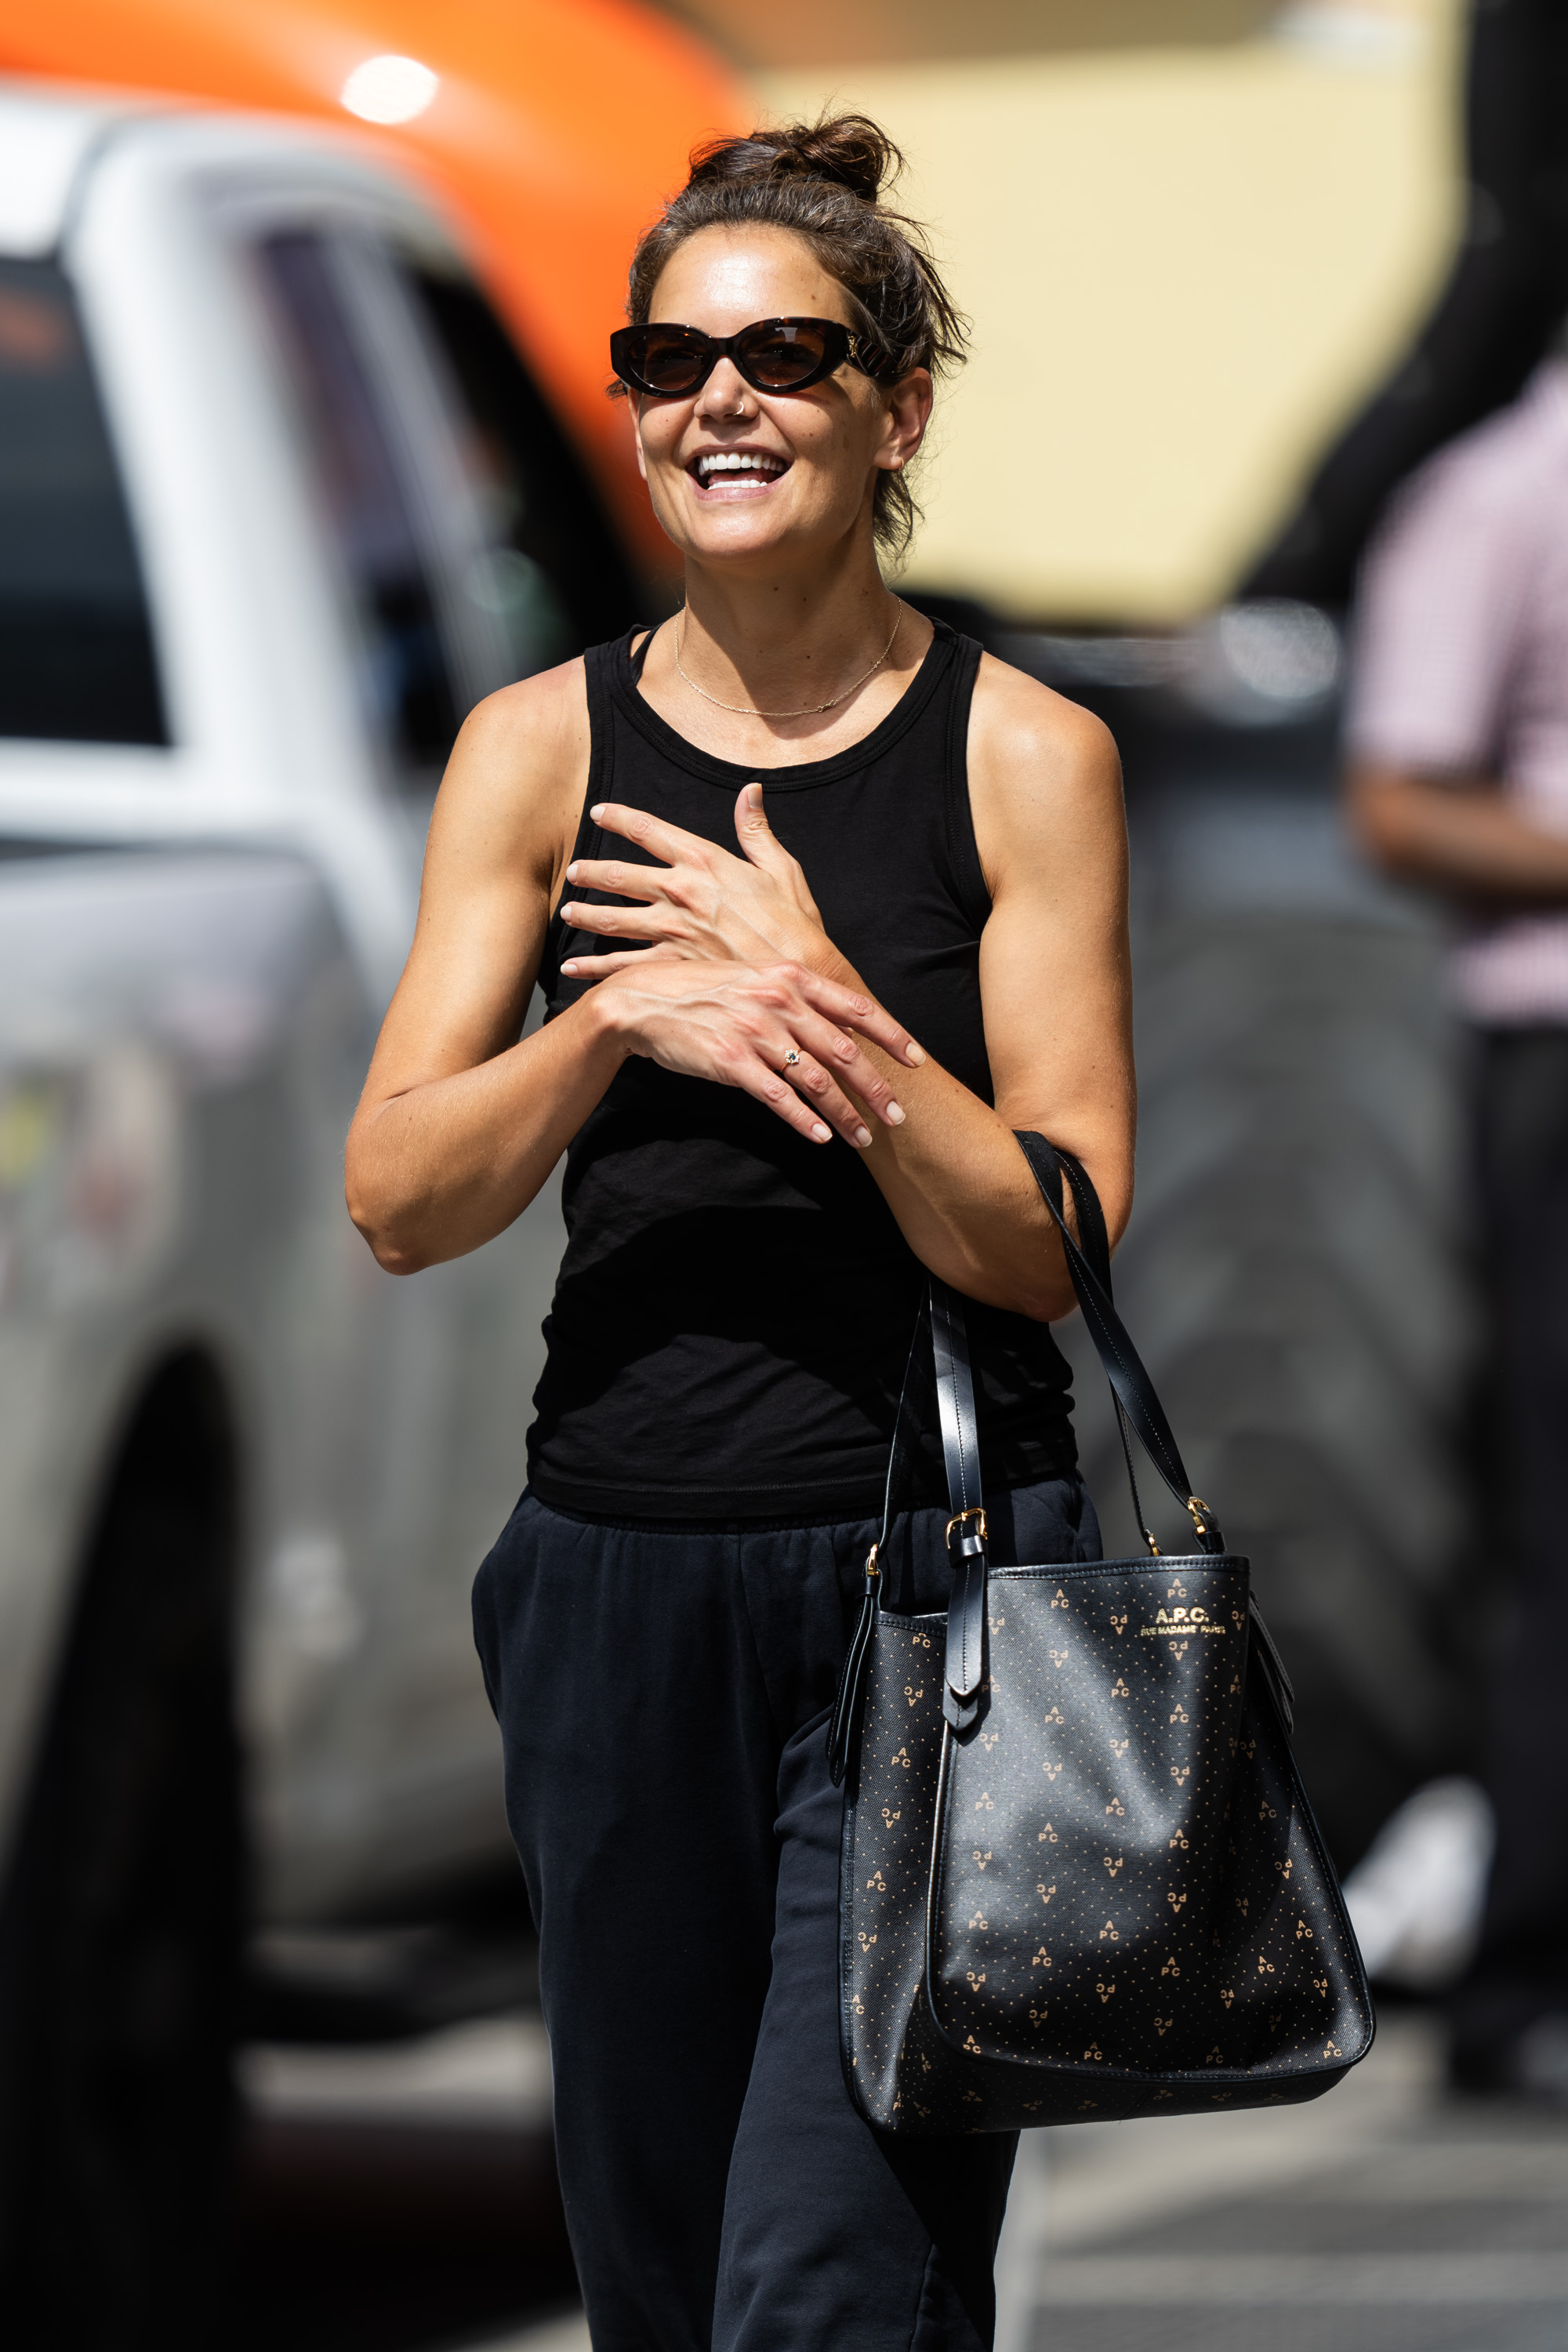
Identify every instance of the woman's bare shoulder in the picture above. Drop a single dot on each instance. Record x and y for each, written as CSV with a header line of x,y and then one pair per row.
x,y
515,783
1015,719
531,727
1044,775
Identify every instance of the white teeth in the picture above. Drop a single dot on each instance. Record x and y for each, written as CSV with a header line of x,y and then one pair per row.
x,y
734,461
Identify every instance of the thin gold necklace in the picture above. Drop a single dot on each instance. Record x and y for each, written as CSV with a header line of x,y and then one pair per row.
x,y
811,709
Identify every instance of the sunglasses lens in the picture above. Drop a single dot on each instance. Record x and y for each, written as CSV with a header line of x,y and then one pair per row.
x,y
783,353
670,358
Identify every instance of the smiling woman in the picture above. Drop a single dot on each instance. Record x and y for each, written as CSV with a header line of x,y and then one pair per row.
x,y
824,903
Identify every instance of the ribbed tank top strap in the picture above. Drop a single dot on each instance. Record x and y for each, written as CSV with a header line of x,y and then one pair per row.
x,y
598,667
968,875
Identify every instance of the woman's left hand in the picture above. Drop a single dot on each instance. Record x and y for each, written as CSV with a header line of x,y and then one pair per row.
x,y
703,903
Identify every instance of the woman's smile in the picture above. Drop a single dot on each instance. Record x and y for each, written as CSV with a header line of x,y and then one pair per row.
x,y
722,476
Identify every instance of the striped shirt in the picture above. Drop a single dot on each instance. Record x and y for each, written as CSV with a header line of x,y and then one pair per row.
x,y
1461,666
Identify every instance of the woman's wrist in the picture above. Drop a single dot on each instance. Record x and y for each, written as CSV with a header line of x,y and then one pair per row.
x,y
600,1016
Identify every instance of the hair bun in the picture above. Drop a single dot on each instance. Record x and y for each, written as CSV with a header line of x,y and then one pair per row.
x,y
846,149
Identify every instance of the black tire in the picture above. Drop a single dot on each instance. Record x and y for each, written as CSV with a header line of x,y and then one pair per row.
x,y
119,1929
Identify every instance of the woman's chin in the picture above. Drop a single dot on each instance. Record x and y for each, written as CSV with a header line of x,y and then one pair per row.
x,y
717,534
737,532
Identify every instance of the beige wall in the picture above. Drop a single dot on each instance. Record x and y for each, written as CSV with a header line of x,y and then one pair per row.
x,y
862,31
1184,268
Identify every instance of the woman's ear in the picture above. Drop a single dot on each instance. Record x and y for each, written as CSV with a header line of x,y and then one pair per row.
x,y
907,415
636,444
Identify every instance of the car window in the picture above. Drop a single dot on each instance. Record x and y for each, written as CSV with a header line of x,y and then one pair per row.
x,y
365,502
556,573
76,659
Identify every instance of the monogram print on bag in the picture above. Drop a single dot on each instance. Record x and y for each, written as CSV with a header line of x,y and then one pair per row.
x,y
1218,1873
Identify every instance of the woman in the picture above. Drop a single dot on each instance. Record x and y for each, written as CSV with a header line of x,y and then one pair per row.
x,y
824,903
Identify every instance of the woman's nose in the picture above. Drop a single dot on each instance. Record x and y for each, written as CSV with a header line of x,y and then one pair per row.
x,y
726,393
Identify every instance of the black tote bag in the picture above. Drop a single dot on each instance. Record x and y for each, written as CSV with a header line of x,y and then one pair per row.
x,y
1080,1878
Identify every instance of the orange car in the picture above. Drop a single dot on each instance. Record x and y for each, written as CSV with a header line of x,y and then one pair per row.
x,y
553,126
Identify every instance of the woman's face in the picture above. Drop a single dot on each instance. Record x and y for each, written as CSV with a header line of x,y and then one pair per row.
x,y
819,451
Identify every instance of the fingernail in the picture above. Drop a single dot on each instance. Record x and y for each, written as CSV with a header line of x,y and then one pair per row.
x,y
914,1053
569,969
863,1137
820,1134
568,911
597,810
895,1115
754,796
572,871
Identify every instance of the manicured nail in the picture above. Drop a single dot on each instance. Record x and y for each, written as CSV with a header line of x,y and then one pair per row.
x,y
895,1115
914,1055
572,871
568,910
570,969
597,810
820,1134
754,796
863,1137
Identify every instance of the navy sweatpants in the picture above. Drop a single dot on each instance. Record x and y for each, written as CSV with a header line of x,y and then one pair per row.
x,y
663,1696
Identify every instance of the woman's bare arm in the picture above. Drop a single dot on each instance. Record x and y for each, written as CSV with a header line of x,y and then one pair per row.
x,y
1045,790
459,1125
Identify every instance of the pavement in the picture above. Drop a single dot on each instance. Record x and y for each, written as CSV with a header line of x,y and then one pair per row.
x,y
1383,2218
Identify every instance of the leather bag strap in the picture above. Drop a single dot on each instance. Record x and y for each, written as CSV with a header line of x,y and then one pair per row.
x,y
1131,1386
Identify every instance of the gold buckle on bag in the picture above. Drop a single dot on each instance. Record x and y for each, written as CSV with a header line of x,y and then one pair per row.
x,y
975,1511
1200,1514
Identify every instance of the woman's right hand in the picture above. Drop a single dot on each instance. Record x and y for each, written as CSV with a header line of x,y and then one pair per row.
x,y
736,1024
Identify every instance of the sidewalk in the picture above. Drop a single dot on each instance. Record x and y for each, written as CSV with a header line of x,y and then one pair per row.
x,y
1383,2218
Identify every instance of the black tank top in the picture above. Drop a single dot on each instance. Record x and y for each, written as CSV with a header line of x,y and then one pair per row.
x,y
735,1304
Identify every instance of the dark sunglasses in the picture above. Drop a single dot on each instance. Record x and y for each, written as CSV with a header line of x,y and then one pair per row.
x,y
774,355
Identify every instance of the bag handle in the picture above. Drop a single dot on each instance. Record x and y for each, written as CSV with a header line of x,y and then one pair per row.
x,y
1138,1409
1130,1387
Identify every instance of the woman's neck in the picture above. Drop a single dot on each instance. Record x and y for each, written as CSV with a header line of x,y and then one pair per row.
x,y
781,647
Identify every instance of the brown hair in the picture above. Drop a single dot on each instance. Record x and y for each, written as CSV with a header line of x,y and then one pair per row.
x,y
823,182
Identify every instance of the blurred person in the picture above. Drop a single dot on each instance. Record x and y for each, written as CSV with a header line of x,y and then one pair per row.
x,y
787,1097
1458,735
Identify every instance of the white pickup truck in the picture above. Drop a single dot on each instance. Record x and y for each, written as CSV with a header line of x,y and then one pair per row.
x,y
278,502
